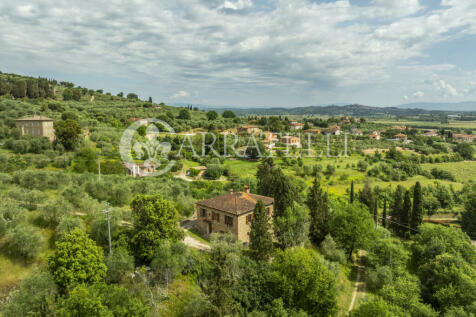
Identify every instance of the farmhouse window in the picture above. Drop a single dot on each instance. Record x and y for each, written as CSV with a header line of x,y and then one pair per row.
x,y
229,221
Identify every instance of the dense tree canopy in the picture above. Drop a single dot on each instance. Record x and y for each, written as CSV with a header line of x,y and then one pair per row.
x,y
302,280
155,220
76,260
67,133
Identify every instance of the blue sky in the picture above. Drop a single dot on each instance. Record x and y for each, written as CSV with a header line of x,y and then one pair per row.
x,y
249,52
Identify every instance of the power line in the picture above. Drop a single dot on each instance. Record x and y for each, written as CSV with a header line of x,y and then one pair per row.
x,y
399,224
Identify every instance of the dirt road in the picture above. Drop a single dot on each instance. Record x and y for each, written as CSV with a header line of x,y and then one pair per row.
x,y
359,283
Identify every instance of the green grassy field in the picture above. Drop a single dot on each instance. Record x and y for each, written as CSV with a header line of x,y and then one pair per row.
x,y
462,171
451,124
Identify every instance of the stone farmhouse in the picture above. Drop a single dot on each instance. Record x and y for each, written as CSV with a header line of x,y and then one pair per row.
x,y
232,212
37,126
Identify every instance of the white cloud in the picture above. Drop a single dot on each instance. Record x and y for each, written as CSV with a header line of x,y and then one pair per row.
x,y
229,50
180,94
445,88
418,94
397,8
236,5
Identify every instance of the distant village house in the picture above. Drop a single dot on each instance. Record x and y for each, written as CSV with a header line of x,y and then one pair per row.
x,y
248,129
291,140
311,131
430,133
375,135
139,169
294,126
400,137
464,137
335,130
355,131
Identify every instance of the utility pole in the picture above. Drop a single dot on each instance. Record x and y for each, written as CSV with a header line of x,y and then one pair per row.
x,y
107,211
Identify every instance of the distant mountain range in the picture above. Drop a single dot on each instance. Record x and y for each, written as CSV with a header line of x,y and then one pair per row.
x,y
352,109
441,106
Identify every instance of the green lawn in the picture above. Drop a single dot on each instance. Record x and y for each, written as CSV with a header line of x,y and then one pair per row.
x,y
462,171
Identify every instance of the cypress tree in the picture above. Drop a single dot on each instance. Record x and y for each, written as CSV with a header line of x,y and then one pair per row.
x,y
366,195
384,213
375,209
396,209
352,192
264,177
406,210
417,211
19,89
261,240
5,87
318,204
32,90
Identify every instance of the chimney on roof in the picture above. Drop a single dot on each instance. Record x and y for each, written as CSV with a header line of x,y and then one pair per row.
x,y
247,189
230,191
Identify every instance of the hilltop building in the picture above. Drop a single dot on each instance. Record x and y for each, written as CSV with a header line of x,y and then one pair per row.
x,y
232,212
37,126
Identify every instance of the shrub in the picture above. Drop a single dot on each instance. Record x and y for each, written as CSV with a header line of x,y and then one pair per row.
x,y
67,225
24,241
52,213
331,252
35,297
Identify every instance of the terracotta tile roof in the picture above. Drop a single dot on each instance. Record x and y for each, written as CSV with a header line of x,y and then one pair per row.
x,y
236,203
35,118
317,131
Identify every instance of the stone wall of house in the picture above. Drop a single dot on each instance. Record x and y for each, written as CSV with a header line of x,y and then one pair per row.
x,y
37,128
218,225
